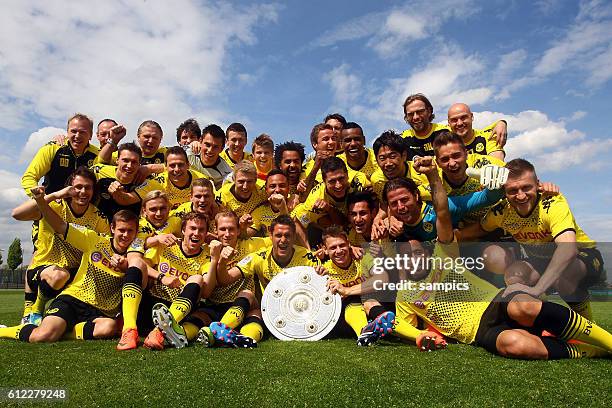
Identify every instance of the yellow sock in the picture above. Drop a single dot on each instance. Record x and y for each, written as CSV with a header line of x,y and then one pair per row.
x,y
76,333
39,305
233,317
191,330
355,316
253,330
581,350
582,329
180,308
10,332
27,307
131,295
405,330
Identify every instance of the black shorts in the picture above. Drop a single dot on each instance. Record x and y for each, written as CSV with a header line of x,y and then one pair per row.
x,y
214,310
592,259
33,276
72,310
495,320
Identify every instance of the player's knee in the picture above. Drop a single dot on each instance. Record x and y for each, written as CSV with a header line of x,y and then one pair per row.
x,y
106,328
55,277
512,344
197,279
496,259
44,335
248,295
523,309
369,304
520,272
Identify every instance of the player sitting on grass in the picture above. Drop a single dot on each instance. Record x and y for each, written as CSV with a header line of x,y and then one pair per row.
x,y
462,306
349,278
55,261
176,277
559,254
231,307
86,309
269,262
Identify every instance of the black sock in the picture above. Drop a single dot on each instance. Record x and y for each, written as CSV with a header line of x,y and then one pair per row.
x,y
376,311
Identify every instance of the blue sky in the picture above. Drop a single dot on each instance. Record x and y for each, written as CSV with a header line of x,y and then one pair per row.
x,y
281,67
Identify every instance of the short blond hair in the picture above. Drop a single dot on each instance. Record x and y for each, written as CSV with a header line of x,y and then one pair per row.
x,y
246,167
153,195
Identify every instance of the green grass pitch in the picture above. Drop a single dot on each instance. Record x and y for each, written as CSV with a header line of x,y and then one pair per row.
x,y
295,374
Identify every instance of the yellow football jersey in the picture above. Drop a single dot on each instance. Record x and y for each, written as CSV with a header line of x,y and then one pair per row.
x,y
187,207
351,276
225,156
262,264
262,219
356,177
176,195
51,249
172,261
550,217
483,142
227,199
422,145
368,168
146,229
159,157
224,294
305,212
96,282
379,180
55,163
449,298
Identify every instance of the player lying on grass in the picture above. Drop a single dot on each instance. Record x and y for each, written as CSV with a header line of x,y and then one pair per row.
x,y
230,315
559,254
473,311
175,277
350,278
55,261
86,309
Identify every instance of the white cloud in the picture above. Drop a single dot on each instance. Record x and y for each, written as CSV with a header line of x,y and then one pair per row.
x,y
346,87
393,30
577,115
549,144
36,140
151,60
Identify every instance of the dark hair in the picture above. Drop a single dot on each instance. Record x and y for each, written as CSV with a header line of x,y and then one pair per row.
x,y
336,116
192,216
332,164
283,219
517,167
84,172
422,98
275,172
150,123
107,120
390,139
334,231
314,134
400,182
236,127
177,150
215,131
445,137
352,125
263,141
124,216
130,146
358,197
190,126
288,147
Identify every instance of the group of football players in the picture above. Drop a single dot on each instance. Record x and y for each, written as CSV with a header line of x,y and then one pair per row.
x,y
179,243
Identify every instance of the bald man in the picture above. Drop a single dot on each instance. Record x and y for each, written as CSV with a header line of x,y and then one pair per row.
x,y
482,141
